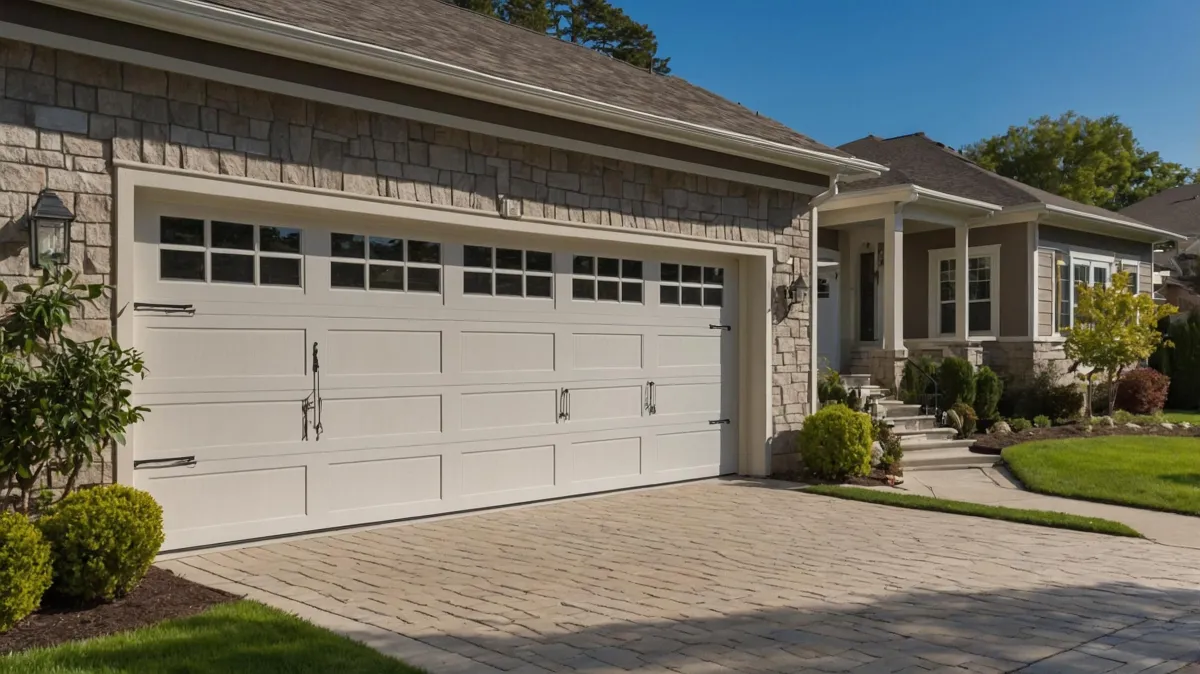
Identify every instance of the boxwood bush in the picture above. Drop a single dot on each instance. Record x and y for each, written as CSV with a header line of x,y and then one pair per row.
x,y
24,568
103,540
956,381
835,443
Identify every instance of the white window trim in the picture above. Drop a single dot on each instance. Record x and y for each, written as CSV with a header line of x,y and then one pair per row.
x,y
1092,260
936,256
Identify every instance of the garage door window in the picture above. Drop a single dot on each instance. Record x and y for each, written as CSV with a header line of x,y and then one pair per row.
x,y
385,263
691,285
228,252
606,279
507,272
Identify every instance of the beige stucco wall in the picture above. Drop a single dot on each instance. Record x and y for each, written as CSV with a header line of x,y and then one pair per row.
x,y
65,117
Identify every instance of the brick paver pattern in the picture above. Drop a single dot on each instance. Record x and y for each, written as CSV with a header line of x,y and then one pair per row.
x,y
718,577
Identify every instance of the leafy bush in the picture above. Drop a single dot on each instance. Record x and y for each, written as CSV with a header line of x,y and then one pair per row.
x,y
24,568
889,443
1122,417
988,390
104,540
1143,391
956,382
964,419
835,443
1041,421
1019,424
914,385
830,388
1044,395
62,402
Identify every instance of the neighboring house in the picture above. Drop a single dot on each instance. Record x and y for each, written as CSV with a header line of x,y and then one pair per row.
x,y
1176,209
892,251
525,270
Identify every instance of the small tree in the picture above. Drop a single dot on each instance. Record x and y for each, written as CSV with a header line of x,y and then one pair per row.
x,y
1113,330
62,402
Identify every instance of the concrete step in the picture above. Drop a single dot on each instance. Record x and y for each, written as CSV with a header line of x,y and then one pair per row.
x,y
855,380
912,438
898,408
948,458
871,391
919,445
913,422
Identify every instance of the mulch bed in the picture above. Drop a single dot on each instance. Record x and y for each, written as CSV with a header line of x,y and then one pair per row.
x,y
993,444
160,596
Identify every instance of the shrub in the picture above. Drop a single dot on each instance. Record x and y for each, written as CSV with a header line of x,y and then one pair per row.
x,y
965,419
1019,424
891,452
24,568
835,443
956,382
1063,401
1041,421
1143,391
104,540
1122,417
918,380
1044,395
830,388
988,390
1181,361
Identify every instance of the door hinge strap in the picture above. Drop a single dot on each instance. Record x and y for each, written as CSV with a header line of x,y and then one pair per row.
x,y
714,326
172,462
718,421
166,308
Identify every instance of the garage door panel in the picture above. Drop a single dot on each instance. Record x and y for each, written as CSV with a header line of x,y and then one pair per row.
x,y
395,350
676,351
606,460
526,409
357,417
506,351
206,352
690,451
242,498
591,402
358,484
197,425
491,471
593,351
674,399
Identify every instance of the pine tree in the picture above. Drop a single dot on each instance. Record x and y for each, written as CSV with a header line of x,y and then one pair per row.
x,y
531,14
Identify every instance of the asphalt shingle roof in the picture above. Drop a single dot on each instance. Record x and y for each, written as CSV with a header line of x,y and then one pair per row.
x,y
1176,209
436,30
919,160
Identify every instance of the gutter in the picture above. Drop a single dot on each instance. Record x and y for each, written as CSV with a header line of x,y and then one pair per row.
x,y
902,194
240,29
1049,209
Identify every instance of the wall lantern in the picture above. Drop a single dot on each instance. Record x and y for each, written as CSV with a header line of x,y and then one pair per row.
x,y
49,230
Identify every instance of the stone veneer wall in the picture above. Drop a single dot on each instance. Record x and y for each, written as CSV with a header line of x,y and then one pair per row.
x,y
65,117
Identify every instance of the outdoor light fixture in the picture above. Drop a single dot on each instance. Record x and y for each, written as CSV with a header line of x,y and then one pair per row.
x,y
49,230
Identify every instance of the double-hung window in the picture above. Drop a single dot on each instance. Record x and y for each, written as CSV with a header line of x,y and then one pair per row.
x,y
1071,271
982,279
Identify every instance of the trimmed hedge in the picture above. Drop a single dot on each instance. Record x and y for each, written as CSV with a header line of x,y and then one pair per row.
x,y
25,568
835,443
104,540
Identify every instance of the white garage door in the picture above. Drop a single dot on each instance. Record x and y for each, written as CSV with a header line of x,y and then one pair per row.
x,y
309,372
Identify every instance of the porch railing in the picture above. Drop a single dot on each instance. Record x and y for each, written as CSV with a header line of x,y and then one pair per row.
x,y
930,402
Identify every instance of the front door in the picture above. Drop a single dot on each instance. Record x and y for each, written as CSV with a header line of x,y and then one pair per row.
x,y
828,319
866,297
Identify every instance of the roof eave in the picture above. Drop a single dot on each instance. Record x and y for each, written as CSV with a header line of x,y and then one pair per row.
x,y
232,27
1141,228
906,193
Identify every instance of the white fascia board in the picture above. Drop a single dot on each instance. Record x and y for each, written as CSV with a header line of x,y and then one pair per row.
x,y
232,27
1162,234
1075,219
903,194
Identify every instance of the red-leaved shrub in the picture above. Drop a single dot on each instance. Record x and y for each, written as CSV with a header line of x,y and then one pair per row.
x,y
1143,391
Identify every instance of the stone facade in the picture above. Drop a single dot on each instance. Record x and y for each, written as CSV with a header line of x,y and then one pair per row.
x,y
65,117
1018,362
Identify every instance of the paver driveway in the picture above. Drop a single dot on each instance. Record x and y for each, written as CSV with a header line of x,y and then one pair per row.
x,y
740,577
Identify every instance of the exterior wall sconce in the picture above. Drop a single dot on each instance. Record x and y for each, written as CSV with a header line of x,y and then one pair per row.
x,y
49,230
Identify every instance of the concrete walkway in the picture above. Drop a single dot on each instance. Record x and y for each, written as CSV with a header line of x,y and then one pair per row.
x,y
996,486
733,577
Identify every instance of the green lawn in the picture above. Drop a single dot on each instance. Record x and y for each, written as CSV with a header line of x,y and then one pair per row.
x,y
230,638
1179,416
1158,473
1042,518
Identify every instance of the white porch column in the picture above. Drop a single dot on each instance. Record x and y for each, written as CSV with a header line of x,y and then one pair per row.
x,y
893,281
961,255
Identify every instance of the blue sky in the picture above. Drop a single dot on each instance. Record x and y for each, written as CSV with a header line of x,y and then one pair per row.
x,y
960,70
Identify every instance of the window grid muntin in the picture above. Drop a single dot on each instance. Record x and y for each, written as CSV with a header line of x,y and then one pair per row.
x,y
208,250
368,262
680,281
628,279
494,272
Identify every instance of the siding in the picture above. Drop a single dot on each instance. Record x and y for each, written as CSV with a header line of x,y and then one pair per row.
x,y
1045,293
1013,292
1146,277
